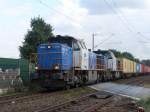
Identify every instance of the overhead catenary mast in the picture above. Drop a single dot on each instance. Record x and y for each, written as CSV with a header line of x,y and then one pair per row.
x,y
93,44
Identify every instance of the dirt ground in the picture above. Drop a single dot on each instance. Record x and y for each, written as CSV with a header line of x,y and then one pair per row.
x,y
120,104
48,98
116,104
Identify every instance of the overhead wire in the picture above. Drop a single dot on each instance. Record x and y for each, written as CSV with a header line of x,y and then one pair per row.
x,y
68,17
124,20
139,35
58,12
59,2
132,28
109,37
120,18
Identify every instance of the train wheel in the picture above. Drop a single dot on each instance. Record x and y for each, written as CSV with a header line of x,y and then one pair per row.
x,y
67,87
76,85
97,81
103,78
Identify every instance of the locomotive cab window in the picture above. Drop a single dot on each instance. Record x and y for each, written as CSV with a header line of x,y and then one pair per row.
x,y
82,44
109,57
76,47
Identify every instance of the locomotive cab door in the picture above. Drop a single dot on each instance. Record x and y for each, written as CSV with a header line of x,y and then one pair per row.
x,y
80,55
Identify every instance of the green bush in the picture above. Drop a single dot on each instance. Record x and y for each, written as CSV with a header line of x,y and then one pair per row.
x,y
146,104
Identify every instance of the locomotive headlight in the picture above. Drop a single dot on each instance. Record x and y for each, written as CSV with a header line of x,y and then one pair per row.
x,y
49,47
36,68
56,67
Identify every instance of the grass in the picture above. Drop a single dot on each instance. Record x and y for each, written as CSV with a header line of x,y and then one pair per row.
x,y
147,85
146,104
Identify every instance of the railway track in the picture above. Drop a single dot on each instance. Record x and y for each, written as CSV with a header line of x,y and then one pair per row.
x,y
86,103
136,81
18,98
17,95
42,100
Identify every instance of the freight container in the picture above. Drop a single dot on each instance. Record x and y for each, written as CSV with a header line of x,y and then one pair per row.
x,y
146,69
134,67
92,61
54,56
138,68
128,66
149,69
142,68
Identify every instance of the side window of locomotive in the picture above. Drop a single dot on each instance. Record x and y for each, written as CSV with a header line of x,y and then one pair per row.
x,y
83,45
76,47
109,56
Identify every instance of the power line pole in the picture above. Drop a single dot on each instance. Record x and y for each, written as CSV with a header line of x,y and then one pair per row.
x,y
93,41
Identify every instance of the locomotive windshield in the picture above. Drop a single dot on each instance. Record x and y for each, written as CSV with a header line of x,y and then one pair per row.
x,y
69,41
62,39
104,52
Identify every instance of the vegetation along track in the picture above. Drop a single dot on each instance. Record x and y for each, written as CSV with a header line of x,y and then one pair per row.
x,y
87,103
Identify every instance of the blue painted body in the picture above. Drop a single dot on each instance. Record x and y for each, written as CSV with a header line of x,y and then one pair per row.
x,y
138,68
92,61
53,54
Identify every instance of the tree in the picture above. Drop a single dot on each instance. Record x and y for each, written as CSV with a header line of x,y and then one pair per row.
x,y
39,33
128,55
146,62
118,54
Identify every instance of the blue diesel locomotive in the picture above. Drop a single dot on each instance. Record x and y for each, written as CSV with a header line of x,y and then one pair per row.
x,y
65,62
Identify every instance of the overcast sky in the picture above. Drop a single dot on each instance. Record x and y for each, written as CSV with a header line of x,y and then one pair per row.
x,y
119,24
